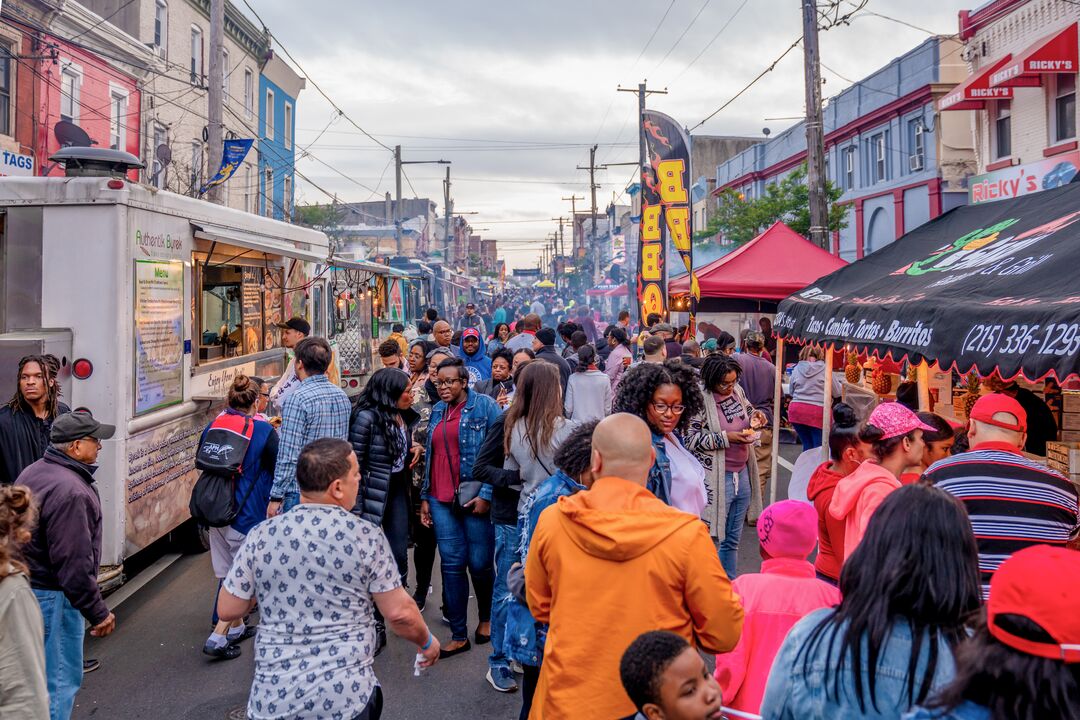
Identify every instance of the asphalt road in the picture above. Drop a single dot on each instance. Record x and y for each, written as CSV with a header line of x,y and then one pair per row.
x,y
152,667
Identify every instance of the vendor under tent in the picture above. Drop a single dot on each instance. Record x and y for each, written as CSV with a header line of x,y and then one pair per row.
x,y
761,273
990,287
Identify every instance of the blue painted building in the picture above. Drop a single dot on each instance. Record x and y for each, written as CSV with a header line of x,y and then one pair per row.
x,y
898,162
279,87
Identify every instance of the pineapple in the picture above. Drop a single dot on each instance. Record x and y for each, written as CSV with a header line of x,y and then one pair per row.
x,y
853,371
973,388
880,381
912,373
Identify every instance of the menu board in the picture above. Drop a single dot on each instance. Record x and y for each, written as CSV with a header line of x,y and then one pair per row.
x,y
251,309
159,334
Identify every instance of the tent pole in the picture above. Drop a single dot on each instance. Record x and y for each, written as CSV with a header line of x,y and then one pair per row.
x,y
826,410
922,377
778,397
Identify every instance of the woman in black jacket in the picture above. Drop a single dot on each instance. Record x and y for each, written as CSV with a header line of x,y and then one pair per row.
x,y
381,435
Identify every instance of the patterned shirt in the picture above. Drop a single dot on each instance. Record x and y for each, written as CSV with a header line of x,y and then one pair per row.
x,y
317,409
313,571
1012,502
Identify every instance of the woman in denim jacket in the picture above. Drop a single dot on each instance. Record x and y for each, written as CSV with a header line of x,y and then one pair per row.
x,y
464,534
666,397
909,589
524,636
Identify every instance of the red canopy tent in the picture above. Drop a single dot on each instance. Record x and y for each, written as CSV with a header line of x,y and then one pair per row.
x,y
761,273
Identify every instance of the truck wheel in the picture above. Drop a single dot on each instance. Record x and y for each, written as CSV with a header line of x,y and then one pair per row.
x,y
191,538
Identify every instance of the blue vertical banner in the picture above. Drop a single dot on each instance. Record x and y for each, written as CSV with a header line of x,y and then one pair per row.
x,y
232,154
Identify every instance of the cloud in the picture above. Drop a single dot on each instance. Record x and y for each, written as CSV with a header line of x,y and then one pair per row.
x,y
522,89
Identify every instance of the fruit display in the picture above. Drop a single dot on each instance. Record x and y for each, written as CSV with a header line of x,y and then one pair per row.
x,y
973,387
853,371
880,381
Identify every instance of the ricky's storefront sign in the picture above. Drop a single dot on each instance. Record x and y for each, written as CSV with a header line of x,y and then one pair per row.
x,y
1020,180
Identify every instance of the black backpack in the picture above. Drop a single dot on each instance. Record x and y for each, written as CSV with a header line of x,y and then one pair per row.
x,y
220,457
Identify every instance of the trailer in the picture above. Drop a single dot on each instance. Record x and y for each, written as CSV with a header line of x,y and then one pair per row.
x,y
154,302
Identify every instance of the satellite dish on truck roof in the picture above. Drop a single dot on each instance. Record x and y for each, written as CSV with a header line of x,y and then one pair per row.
x,y
68,134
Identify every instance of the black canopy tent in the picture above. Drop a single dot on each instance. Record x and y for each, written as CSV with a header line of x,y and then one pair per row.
x,y
990,287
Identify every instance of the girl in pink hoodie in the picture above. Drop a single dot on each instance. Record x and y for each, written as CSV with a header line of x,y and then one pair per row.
x,y
895,436
784,592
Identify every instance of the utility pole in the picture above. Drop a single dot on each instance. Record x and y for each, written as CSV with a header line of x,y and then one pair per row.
x,y
446,215
398,163
815,134
592,187
215,130
642,91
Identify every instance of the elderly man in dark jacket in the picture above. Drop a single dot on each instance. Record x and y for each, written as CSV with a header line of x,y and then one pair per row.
x,y
64,552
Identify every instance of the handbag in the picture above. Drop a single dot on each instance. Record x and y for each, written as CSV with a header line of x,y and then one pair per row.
x,y
464,492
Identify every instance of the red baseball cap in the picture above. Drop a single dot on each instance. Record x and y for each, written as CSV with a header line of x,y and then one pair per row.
x,y
470,332
1041,583
988,405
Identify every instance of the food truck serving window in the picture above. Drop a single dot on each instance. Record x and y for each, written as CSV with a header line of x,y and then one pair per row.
x,y
238,307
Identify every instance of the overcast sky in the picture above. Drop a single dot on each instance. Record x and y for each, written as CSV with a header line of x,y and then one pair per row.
x,y
514,93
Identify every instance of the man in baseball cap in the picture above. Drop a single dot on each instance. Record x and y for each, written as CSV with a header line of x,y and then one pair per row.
x,y
299,326
293,331
64,551
1013,502
477,363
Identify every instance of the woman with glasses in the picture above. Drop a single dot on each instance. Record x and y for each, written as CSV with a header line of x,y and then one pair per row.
x,y
722,438
456,505
666,397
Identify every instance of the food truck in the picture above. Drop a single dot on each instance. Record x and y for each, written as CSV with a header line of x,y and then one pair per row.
x,y
154,302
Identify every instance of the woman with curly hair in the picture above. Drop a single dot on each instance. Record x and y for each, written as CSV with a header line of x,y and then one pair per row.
x,y
666,397
722,438
22,654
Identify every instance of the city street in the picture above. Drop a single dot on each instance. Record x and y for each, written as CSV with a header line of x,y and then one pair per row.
x,y
152,667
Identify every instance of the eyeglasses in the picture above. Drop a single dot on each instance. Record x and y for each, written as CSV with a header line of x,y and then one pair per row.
x,y
446,383
265,395
664,408
727,386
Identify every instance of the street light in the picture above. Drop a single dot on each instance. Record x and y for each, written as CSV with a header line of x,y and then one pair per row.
x,y
398,162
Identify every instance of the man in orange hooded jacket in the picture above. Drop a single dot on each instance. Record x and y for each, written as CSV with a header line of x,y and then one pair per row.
x,y
606,565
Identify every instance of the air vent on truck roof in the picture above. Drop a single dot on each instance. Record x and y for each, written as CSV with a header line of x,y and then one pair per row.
x,y
95,162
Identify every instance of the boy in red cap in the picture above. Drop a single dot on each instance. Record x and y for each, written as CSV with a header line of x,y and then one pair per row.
x,y
1013,502
1023,663
784,592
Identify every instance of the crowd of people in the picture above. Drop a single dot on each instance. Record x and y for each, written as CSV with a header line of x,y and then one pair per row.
x,y
589,485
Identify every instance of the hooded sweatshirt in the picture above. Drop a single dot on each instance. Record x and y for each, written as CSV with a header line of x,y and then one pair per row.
x,y
605,566
856,498
808,383
478,364
830,556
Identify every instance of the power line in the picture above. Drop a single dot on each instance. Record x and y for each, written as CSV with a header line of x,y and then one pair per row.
x,y
103,20
749,85
710,43
681,35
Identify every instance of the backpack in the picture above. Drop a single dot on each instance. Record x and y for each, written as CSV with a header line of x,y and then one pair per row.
x,y
220,458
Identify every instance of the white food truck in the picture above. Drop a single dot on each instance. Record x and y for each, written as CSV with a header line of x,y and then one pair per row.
x,y
154,302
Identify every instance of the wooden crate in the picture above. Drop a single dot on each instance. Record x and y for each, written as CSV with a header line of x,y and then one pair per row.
x,y
1070,436
1064,457
1070,421
1070,402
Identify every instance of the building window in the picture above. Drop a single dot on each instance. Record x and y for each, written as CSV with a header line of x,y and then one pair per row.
x,y
5,89
879,160
249,93
196,55
157,179
69,95
286,199
287,129
1002,130
268,113
117,114
268,193
849,168
916,145
225,74
249,191
1065,108
161,24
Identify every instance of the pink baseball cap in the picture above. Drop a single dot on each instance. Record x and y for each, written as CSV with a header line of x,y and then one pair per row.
x,y
788,528
894,420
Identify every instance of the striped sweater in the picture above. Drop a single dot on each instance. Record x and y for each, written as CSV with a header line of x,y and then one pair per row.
x,y
1013,502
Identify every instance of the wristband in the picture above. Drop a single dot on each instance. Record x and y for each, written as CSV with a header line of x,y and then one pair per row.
x,y
277,499
430,639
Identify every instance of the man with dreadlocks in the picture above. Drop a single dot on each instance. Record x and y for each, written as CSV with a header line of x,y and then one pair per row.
x,y
27,418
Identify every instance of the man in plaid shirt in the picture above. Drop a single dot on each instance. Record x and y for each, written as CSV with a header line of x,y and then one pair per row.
x,y
317,409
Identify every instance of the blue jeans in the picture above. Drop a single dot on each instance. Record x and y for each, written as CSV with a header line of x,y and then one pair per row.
x,y
64,630
737,499
506,545
809,435
290,500
465,542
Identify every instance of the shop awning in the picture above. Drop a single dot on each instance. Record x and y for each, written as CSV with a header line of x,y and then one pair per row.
x,y
973,93
621,291
984,286
276,246
1056,53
